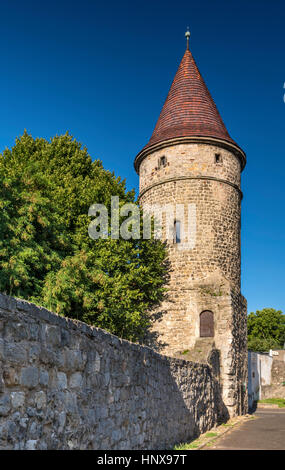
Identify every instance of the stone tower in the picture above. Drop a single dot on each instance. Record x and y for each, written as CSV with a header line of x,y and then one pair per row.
x,y
191,160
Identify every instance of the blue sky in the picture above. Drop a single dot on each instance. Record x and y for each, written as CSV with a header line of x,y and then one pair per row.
x,y
103,69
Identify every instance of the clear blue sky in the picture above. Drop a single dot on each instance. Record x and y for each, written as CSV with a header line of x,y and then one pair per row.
x,y
103,69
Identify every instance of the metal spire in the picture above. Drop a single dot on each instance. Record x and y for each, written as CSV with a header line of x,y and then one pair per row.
x,y
187,35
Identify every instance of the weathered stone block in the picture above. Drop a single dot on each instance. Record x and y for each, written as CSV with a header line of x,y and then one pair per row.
x,y
29,377
65,337
34,430
40,400
70,402
61,380
5,404
17,399
116,435
31,444
52,356
61,421
34,352
15,352
44,377
34,331
17,331
76,380
74,360
52,335
10,376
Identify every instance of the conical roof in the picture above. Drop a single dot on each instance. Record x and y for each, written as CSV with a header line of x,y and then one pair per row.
x,y
189,109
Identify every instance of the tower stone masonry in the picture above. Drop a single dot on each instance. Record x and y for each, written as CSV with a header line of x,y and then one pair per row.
x,y
191,159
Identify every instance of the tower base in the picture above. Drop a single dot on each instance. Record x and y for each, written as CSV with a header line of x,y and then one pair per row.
x,y
176,332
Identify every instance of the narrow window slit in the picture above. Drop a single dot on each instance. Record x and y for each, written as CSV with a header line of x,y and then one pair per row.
x,y
177,231
218,158
162,161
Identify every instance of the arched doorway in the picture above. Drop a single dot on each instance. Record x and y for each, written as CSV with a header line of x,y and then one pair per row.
x,y
206,324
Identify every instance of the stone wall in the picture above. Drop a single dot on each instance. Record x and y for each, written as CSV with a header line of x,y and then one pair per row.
x,y
66,385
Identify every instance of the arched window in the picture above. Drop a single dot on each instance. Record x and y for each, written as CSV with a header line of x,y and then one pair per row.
x,y
206,324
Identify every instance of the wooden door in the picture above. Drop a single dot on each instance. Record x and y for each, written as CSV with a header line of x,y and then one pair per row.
x,y
206,324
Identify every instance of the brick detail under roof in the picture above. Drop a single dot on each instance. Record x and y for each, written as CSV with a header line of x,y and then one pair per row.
x,y
189,109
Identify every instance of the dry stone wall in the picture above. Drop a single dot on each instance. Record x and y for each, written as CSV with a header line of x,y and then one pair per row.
x,y
66,385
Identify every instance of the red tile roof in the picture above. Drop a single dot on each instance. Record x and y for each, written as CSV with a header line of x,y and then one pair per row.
x,y
189,110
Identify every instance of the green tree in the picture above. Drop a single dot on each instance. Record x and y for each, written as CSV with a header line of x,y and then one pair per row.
x,y
266,329
46,254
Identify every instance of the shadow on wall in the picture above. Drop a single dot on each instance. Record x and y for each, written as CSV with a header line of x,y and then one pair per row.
x,y
66,385
215,364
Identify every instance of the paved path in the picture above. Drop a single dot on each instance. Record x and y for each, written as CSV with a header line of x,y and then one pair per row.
x,y
265,432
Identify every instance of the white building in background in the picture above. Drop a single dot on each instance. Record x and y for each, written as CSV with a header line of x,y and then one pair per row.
x,y
266,375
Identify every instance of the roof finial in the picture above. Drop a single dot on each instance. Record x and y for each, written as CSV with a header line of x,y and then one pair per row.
x,y
187,35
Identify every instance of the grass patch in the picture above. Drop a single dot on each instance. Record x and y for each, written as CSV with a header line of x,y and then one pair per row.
x,y
274,401
211,437
185,352
196,443
185,446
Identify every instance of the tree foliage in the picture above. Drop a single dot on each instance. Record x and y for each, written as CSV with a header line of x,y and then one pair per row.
x,y
46,255
266,330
